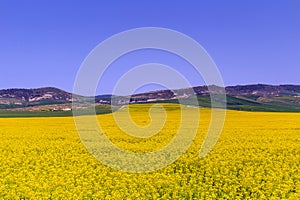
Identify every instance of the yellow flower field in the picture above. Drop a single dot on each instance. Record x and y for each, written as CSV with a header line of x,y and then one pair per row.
x,y
256,157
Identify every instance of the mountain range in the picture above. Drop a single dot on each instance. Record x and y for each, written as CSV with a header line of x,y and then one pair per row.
x,y
256,97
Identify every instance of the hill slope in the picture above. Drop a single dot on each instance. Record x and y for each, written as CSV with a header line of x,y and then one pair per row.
x,y
257,97
13,98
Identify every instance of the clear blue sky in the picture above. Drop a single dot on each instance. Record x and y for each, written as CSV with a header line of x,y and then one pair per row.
x,y
43,43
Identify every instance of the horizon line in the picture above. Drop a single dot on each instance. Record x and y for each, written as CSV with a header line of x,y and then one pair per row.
x,y
154,90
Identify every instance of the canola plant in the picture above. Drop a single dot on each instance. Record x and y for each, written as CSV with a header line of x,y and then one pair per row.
x,y
256,157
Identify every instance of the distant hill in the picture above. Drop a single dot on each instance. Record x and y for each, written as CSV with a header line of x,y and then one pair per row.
x,y
258,97
14,98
